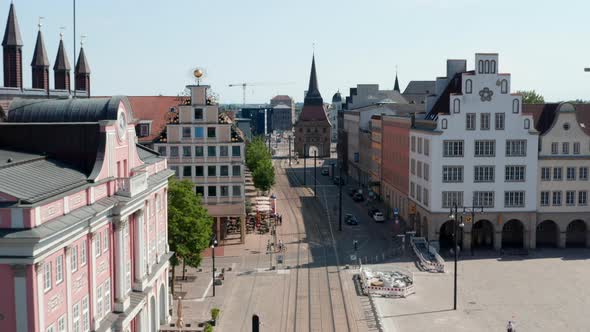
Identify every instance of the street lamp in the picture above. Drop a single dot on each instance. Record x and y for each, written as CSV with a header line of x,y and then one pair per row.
x,y
453,216
213,245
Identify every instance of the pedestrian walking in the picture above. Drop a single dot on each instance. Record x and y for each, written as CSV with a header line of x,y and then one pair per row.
x,y
511,327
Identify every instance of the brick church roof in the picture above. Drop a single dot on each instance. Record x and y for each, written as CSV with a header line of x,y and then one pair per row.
x,y
313,105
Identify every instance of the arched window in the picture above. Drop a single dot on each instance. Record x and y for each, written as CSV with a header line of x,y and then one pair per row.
x,y
480,67
444,124
468,86
493,69
504,86
487,70
456,106
527,124
515,106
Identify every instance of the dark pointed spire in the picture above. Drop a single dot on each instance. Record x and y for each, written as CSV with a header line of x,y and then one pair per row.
x,y
61,60
396,85
12,31
82,71
82,65
313,96
40,54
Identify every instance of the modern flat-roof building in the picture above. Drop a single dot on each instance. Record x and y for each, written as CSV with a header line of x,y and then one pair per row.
x,y
83,219
204,147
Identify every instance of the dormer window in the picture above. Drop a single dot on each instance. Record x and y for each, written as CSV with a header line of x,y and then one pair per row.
x,y
143,129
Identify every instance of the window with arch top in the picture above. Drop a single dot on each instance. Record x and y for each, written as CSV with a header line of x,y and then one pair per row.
x,y
443,124
468,86
493,66
515,106
504,86
456,106
527,124
487,66
480,67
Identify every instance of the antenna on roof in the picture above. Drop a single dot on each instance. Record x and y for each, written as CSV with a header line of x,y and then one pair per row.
x,y
61,33
40,24
82,37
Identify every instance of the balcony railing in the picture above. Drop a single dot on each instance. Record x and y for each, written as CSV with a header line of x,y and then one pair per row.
x,y
132,186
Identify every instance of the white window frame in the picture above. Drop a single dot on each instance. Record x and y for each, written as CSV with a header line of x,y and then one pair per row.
x,y
99,301
105,241
76,317
556,198
565,148
583,173
484,173
554,148
420,140
573,173
85,314
544,198
576,147
514,199
425,196
50,328
83,254
499,121
582,197
453,148
426,175
107,297
426,147
484,199
484,148
516,148
570,198
515,173
485,121
419,169
450,197
470,121
545,173
59,269
557,170
61,324
97,244
47,276
74,257
452,174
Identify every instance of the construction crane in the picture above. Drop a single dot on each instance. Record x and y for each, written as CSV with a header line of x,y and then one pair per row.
x,y
246,84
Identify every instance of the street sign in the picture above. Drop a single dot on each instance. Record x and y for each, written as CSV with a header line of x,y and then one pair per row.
x,y
395,211
353,258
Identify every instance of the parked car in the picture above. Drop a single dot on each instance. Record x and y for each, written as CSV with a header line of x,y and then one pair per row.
x,y
372,211
349,219
338,180
358,197
325,171
378,217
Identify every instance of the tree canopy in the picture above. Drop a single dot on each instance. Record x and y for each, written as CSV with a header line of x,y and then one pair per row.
x,y
531,97
259,161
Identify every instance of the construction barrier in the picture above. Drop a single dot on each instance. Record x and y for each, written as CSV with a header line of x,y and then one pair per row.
x,y
435,263
386,291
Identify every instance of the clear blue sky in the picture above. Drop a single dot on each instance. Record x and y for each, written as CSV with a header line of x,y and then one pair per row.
x,y
148,47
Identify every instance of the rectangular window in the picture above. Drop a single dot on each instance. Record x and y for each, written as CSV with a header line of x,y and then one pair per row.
x,y
47,275
198,112
452,174
105,241
419,193
483,174
97,245
74,258
85,315
570,198
426,172
554,148
485,121
235,151
426,147
544,198
557,176
223,151
483,199
186,171
557,198
425,197
199,171
186,132
583,173
200,191
186,151
413,143
453,149
571,173
412,189
199,132
99,301
83,253
470,121
577,148
223,191
499,123
174,151
61,324
175,169
199,151
237,191
513,199
107,297
211,132
582,197
514,173
450,198
162,150
223,170
212,191
211,151
50,329
545,173
419,169
516,148
212,170
413,166
419,144
485,148
76,317
236,170
565,148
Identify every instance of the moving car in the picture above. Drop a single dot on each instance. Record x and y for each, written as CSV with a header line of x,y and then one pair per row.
x,y
378,217
372,211
349,219
358,197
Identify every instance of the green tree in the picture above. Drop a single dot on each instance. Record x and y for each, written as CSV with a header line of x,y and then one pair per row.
x,y
264,175
189,225
256,151
531,97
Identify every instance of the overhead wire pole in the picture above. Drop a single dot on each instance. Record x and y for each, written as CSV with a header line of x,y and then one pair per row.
x,y
340,196
74,47
289,151
304,164
315,180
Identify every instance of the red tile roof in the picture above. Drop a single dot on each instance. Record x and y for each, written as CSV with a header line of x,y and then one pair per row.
x,y
154,108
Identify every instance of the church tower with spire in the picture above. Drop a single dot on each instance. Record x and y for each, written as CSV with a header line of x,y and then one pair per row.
x,y
12,47
61,68
40,64
82,72
313,129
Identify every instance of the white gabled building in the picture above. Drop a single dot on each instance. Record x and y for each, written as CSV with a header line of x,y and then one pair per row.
x,y
475,148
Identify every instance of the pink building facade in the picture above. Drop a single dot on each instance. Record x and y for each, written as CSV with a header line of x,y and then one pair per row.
x,y
83,220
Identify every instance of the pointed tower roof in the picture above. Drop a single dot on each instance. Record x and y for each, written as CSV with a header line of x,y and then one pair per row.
x,y
61,60
40,54
82,65
313,96
12,31
396,85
